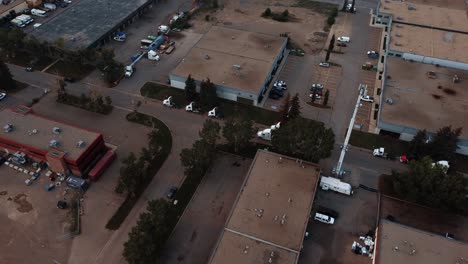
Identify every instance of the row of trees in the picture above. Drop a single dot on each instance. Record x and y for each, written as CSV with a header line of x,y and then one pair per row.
x,y
96,103
441,146
14,40
429,184
148,237
136,170
207,96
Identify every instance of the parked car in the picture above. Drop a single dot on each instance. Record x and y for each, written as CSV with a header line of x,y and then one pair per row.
x,y
318,94
2,96
274,96
171,193
344,39
316,86
324,64
277,91
28,69
372,54
367,98
341,44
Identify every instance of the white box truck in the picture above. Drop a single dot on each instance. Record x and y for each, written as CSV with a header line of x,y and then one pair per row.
x,y
26,19
50,6
334,184
38,12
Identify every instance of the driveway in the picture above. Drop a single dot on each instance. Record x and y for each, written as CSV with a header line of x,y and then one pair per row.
x,y
200,226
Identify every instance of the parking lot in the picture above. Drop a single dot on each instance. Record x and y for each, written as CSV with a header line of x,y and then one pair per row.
x,y
332,243
366,111
203,220
33,229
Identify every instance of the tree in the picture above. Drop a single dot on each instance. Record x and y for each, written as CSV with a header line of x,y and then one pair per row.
x,y
331,46
208,97
325,97
285,110
327,55
266,13
418,147
6,79
430,185
285,13
305,139
444,143
295,107
197,160
210,132
108,100
131,175
330,20
190,89
238,131
148,237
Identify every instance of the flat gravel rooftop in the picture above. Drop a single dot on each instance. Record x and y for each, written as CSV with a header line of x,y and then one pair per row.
x,y
85,22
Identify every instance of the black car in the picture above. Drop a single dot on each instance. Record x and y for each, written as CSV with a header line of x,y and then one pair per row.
x,y
341,44
274,96
171,193
277,92
28,69
2,160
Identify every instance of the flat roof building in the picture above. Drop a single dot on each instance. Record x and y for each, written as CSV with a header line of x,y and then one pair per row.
x,y
74,27
239,63
397,243
268,221
423,67
44,139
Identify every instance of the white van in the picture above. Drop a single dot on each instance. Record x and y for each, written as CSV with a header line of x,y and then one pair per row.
x,y
344,39
324,218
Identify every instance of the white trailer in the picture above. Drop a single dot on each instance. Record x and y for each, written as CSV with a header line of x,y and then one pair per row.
x,y
26,19
334,184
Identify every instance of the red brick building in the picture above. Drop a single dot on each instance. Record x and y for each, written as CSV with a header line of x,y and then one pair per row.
x,y
63,146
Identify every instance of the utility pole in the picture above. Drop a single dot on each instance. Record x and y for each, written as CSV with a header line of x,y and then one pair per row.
x,y
338,169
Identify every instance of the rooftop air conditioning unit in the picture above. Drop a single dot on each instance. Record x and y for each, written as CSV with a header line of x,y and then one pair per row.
x,y
411,8
8,128
397,44
56,130
398,34
54,143
80,144
399,26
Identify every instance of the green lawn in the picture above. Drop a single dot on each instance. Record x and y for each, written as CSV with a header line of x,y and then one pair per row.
x,y
71,69
258,114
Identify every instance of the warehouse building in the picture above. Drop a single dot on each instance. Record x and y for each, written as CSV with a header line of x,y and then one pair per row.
x,y
397,243
64,147
240,63
107,16
268,221
423,67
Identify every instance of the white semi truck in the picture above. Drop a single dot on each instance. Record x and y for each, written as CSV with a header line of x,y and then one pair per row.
x,y
334,184
38,12
18,23
26,19
266,134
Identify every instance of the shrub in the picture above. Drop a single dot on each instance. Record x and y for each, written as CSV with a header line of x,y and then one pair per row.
x,y
207,18
267,12
331,20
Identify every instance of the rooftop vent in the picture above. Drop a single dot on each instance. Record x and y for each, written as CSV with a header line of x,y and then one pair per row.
x,y
411,7
206,57
399,26
398,34
80,144
8,128
397,44
399,18
236,67
56,130
32,132
54,143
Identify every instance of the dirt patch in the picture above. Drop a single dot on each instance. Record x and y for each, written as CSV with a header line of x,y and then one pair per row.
x,y
304,26
23,205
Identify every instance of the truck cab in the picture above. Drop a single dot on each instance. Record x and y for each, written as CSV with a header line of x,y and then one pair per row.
x,y
129,70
